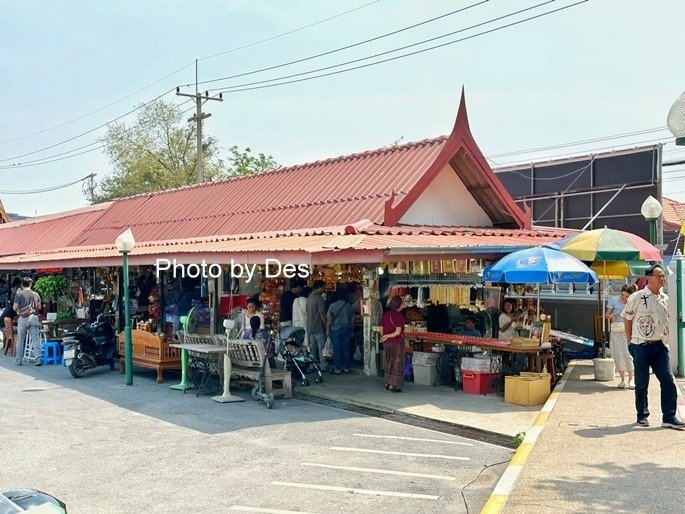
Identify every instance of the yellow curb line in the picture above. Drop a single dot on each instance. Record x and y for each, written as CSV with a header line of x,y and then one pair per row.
x,y
505,485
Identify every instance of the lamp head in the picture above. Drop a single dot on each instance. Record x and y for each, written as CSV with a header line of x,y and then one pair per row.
x,y
676,120
125,241
651,208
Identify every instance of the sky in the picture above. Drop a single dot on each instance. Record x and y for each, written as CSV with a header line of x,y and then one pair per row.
x,y
597,69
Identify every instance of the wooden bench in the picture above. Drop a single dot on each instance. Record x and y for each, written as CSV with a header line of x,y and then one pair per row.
x,y
150,351
247,356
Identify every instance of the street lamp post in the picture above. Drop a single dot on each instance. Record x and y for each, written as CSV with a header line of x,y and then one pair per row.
x,y
125,243
676,124
651,209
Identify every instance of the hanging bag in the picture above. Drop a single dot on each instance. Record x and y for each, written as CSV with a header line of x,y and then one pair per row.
x,y
328,348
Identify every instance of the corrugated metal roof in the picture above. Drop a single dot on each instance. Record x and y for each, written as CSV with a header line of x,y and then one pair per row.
x,y
329,241
47,232
330,192
674,213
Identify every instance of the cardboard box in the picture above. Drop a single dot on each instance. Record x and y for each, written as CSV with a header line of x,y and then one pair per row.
x,y
476,382
526,390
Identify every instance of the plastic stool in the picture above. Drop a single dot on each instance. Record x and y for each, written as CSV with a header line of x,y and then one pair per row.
x,y
52,352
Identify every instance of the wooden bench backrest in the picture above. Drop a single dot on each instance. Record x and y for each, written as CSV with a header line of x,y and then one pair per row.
x,y
246,353
199,339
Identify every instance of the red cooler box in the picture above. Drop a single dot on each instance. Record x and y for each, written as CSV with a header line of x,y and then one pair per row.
x,y
478,382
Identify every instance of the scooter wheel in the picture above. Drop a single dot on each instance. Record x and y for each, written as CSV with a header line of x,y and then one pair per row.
x,y
305,382
318,380
76,368
255,393
269,401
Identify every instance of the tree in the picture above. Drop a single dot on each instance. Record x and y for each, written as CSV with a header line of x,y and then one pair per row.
x,y
244,163
157,152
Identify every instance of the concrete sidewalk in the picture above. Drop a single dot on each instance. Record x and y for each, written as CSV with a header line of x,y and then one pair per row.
x,y
482,413
584,454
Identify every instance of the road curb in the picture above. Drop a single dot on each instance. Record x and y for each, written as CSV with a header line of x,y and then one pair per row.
x,y
500,494
361,407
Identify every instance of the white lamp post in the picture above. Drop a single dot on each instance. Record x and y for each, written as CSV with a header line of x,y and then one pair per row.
x,y
125,243
651,209
676,120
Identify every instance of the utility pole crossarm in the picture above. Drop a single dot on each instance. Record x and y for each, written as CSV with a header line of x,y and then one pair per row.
x,y
199,116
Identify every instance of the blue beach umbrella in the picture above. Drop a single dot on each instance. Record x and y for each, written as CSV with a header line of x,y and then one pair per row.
x,y
539,266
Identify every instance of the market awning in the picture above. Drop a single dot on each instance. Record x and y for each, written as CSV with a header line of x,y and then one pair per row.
x,y
362,243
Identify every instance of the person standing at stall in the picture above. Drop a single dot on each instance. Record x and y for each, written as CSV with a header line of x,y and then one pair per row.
x,y
26,305
8,316
392,324
617,338
646,323
285,316
316,323
507,320
339,321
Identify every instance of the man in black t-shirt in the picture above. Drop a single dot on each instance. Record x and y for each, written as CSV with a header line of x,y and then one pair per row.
x,y
286,306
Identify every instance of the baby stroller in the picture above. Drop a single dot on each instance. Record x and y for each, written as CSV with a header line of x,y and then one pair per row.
x,y
296,354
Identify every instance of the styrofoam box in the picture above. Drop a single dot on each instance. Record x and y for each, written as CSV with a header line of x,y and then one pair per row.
x,y
424,375
425,358
473,364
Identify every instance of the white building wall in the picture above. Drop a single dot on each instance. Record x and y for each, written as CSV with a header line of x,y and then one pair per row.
x,y
446,201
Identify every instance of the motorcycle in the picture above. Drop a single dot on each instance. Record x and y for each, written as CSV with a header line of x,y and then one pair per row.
x,y
91,345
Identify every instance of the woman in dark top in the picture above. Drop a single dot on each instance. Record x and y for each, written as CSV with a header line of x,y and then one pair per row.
x,y
392,324
8,316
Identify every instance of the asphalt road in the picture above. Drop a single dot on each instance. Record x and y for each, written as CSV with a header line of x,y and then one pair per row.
x,y
104,447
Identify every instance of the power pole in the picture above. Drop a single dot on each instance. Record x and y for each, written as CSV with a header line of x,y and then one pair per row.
x,y
199,116
89,187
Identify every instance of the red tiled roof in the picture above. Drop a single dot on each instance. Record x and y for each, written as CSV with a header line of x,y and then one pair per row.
x,y
674,213
47,232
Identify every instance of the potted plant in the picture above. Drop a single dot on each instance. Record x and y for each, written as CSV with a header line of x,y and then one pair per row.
x,y
51,288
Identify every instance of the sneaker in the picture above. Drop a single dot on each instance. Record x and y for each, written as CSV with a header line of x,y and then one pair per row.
x,y
631,385
38,363
675,424
643,422
346,370
336,372
621,385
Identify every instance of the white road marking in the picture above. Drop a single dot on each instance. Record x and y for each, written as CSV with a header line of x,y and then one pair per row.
x,y
244,508
413,439
358,491
385,452
380,471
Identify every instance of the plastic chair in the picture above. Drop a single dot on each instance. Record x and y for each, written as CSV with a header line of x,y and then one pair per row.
x,y
52,352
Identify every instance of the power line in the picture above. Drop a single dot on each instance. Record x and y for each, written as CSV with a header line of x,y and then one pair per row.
x,y
403,55
582,170
45,189
663,140
43,131
346,47
39,161
96,110
580,142
36,163
87,131
287,33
